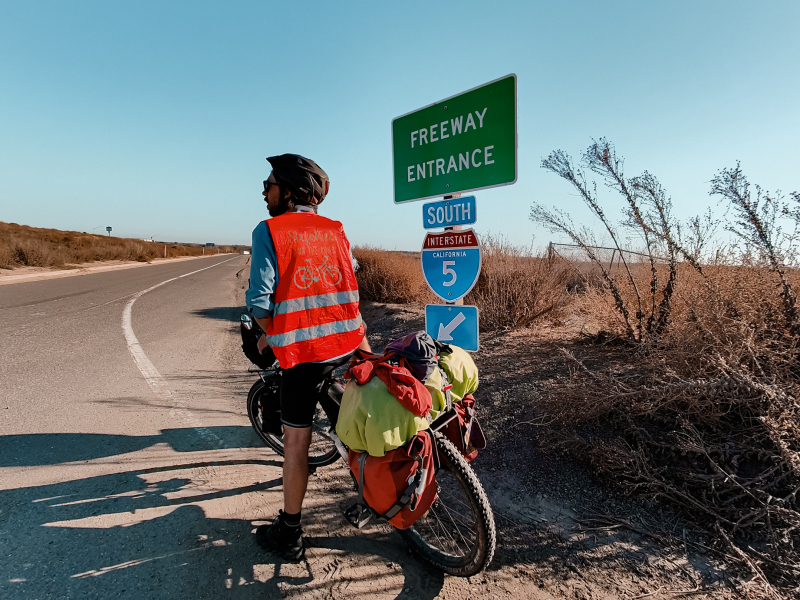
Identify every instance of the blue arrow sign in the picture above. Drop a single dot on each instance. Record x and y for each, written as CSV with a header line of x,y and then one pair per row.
x,y
448,213
451,262
457,325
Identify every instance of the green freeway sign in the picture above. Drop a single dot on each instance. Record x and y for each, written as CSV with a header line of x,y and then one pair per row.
x,y
466,142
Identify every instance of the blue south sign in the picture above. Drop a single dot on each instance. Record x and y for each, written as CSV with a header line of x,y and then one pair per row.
x,y
451,262
448,213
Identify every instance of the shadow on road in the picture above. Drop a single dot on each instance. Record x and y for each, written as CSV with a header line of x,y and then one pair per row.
x,y
221,313
142,533
55,448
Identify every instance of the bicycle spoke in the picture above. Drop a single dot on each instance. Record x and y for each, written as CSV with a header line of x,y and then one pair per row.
x,y
440,527
456,499
450,528
457,520
444,531
466,543
438,539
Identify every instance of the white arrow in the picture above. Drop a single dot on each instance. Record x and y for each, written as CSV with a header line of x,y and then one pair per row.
x,y
444,332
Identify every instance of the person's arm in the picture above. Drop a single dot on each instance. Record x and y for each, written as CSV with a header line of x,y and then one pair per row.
x,y
263,323
263,279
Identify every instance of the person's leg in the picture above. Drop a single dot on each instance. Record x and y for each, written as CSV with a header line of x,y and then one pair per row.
x,y
298,404
300,391
295,467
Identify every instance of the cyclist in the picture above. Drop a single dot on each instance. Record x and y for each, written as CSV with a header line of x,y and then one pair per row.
x,y
311,329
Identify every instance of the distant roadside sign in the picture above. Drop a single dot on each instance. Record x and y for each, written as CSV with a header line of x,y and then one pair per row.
x,y
457,325
448,213
209,244
465,142
451,262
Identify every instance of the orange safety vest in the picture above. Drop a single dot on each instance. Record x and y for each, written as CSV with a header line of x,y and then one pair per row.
x,y
316,316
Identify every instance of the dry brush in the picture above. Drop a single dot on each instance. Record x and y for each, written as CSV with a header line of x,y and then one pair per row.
x,y
698,405
24,246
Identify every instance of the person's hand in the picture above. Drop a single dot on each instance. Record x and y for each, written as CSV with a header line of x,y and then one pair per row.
x,y
262,343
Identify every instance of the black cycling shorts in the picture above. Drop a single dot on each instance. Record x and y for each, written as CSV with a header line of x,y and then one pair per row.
x,y
301,390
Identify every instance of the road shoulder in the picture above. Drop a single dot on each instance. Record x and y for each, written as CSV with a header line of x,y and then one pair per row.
x,y
26,274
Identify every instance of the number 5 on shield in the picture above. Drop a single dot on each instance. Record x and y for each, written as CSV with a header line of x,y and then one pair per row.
x,y
446,270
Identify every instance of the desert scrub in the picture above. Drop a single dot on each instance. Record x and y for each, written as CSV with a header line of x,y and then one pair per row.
x,y
390,276
698,404
518,286
23,246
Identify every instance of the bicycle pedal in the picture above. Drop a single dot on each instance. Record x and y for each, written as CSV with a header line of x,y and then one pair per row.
x,y
358,515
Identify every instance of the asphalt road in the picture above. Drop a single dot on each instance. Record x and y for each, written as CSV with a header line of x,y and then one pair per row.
x,y
127,465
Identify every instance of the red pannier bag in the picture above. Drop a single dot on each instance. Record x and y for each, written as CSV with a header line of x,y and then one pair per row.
x,y
464,431
399,486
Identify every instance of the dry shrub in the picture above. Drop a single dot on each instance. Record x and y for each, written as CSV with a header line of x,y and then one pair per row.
x,y
25,246
704,416
387,276
6,260
516,286
696,401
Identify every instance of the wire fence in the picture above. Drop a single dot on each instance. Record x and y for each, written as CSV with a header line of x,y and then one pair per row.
x,y
610,257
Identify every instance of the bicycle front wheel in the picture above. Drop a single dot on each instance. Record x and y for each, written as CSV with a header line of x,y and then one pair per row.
x,y
457,534
322,451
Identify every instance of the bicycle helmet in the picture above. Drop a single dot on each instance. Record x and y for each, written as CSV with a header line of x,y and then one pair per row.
x,y
306,181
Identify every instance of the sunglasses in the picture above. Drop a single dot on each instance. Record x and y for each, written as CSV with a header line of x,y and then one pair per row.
x,y
268,183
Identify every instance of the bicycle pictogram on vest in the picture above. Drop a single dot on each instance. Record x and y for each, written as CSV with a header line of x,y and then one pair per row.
x,y
306,275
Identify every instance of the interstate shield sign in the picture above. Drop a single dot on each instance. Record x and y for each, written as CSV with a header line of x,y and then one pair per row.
x,y
451,262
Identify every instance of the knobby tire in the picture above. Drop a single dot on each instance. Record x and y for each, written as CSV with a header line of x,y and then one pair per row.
x,y
443,537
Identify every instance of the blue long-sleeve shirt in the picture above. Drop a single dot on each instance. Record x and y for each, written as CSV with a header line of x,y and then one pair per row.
x,y
264,271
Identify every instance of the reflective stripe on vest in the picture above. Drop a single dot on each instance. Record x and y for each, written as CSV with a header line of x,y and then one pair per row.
x,y
317,331
319,301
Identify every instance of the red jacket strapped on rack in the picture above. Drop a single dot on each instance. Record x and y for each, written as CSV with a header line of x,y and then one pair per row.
x,y
316,316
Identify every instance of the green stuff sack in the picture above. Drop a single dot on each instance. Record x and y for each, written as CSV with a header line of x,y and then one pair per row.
x,y
371,420
461,371
435,385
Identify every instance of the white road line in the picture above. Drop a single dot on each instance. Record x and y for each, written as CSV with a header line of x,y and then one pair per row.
x,y
148,369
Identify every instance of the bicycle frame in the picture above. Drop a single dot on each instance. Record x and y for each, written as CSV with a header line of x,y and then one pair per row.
x,y
335,389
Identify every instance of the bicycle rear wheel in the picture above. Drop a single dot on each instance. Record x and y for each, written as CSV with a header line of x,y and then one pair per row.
x,y
322,451
457,534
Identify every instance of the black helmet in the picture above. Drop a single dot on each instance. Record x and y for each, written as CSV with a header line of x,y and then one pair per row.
x,y
302,177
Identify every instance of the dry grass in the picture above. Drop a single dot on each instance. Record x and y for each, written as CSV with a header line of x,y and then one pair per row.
x,y
704,416
24,246
387,276
516,287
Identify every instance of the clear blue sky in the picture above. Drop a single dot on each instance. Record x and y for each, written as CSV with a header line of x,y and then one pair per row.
x,y
156,117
